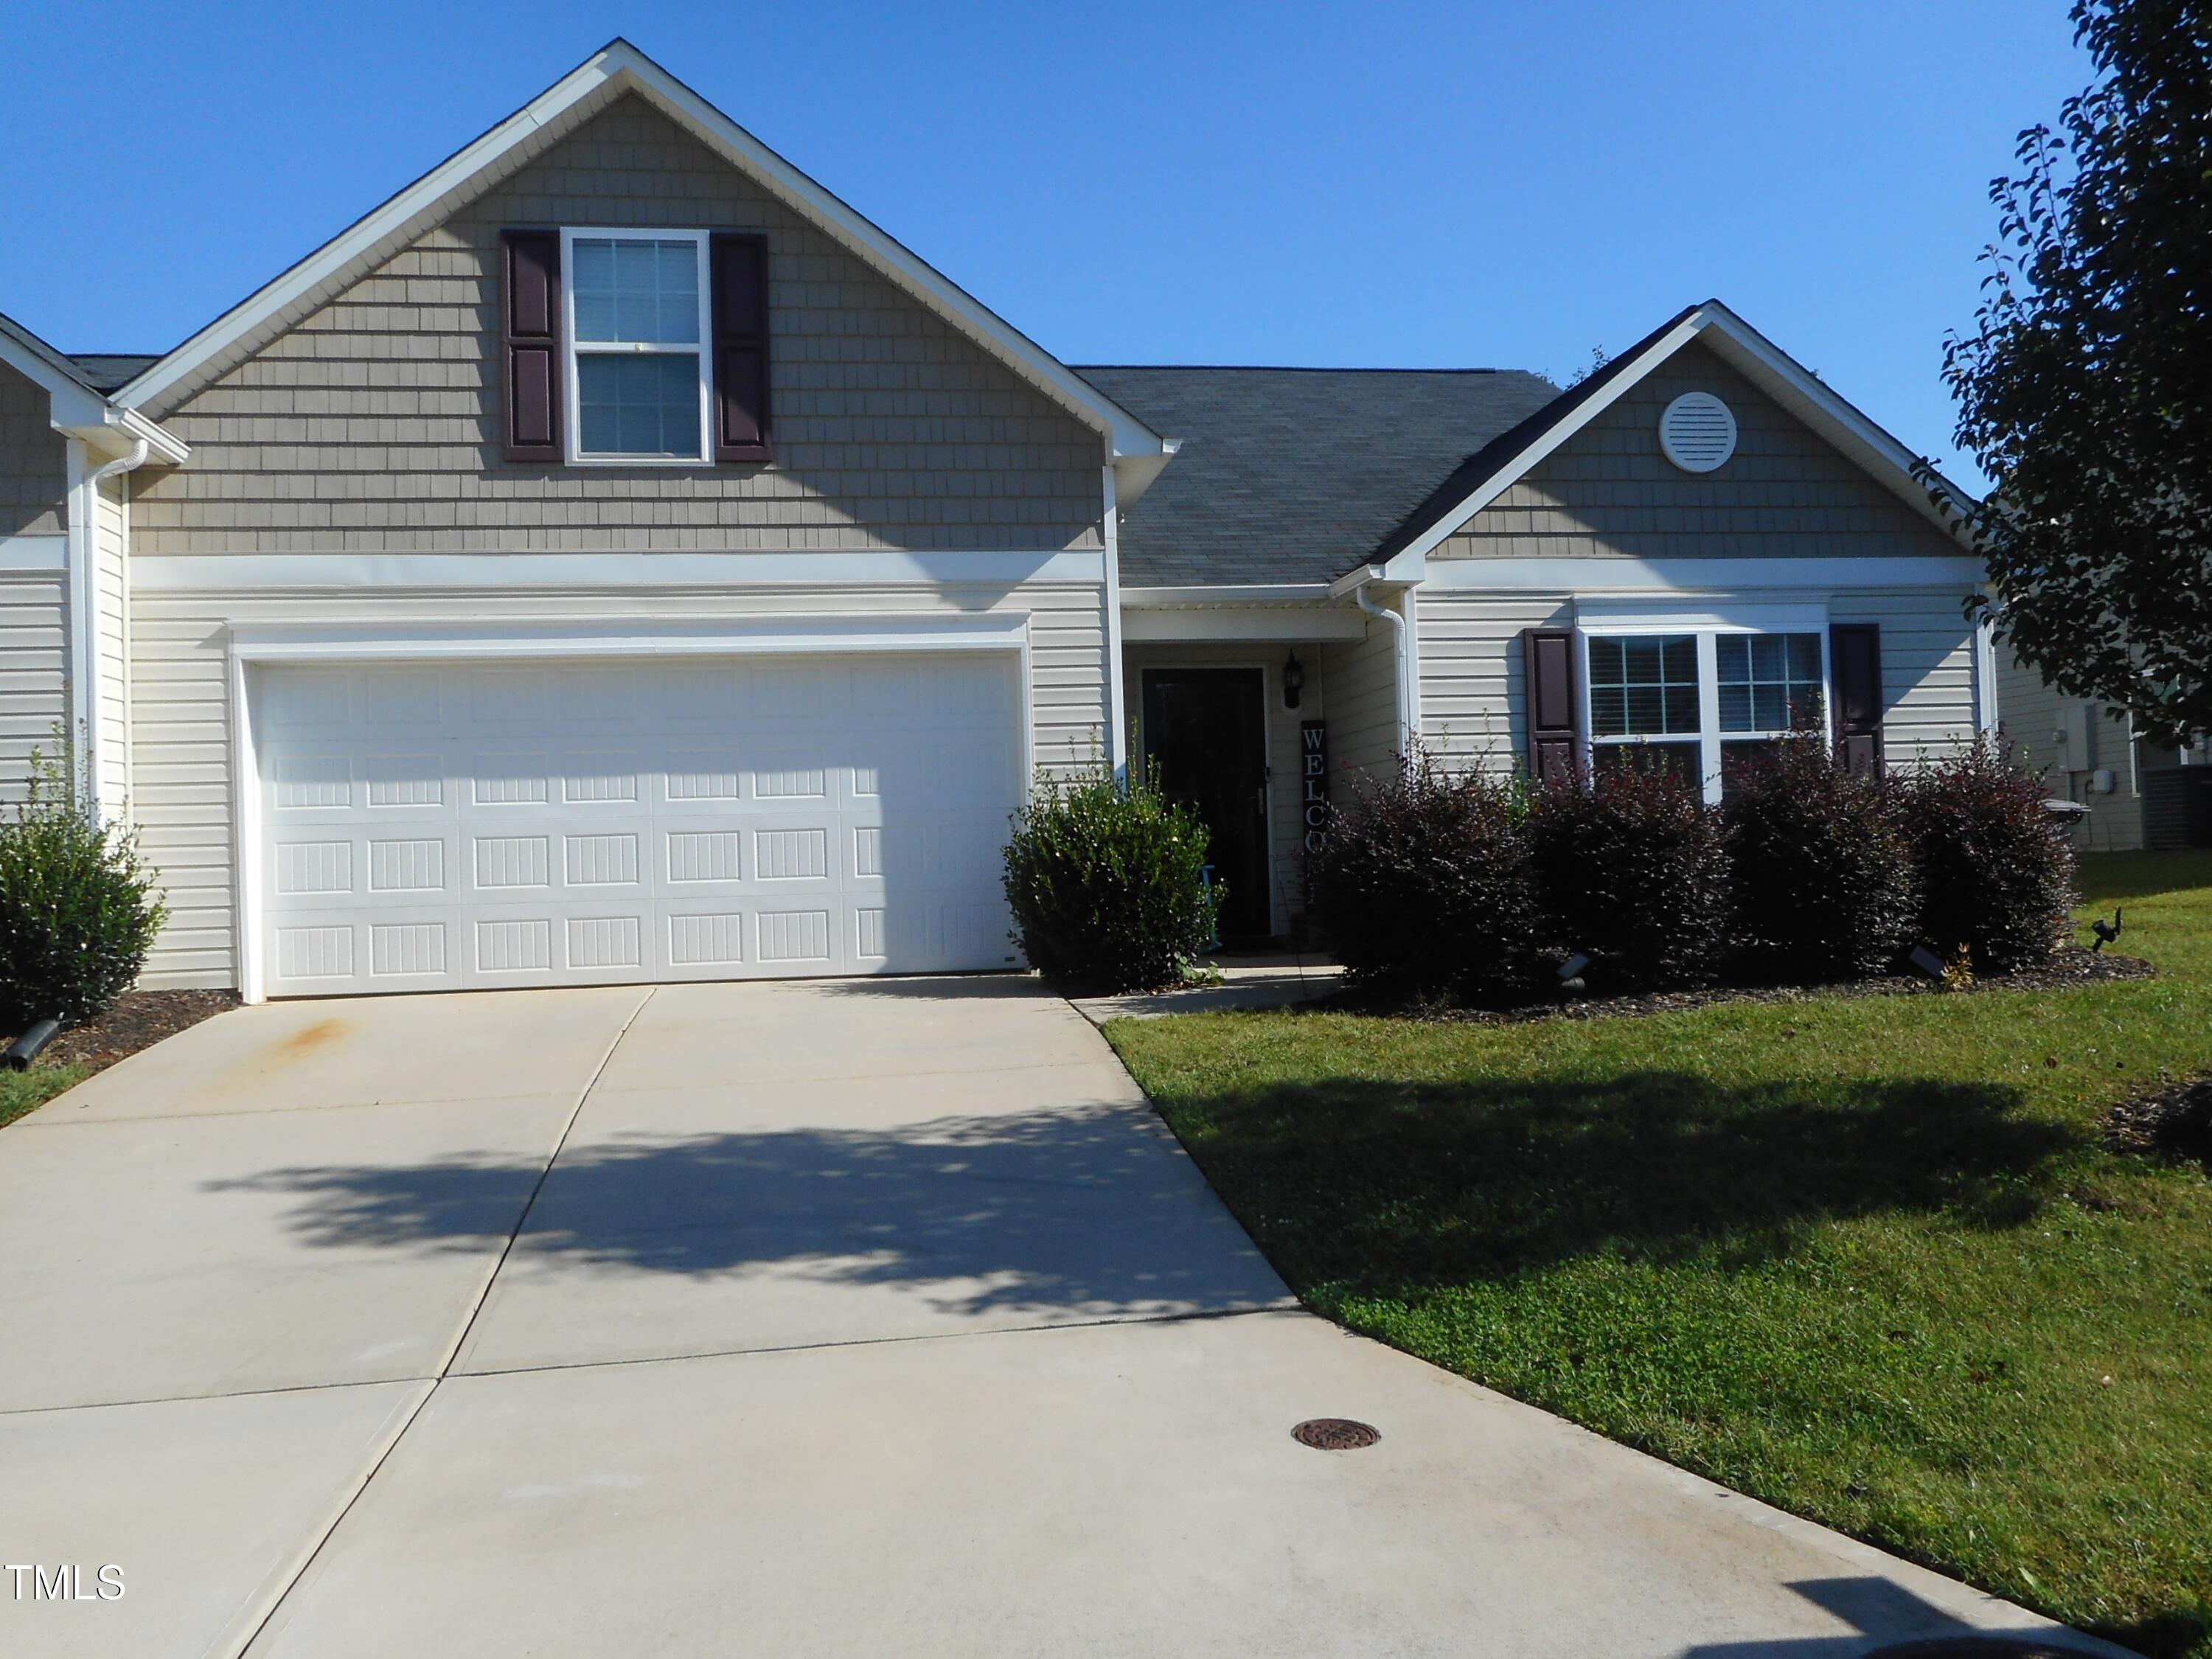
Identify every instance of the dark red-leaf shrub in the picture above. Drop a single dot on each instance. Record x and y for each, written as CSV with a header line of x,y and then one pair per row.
x,y
1632,874
1996,872
1426,884
1820,872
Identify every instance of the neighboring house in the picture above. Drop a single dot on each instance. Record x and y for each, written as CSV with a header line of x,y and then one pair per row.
x,y
614,558
2139,794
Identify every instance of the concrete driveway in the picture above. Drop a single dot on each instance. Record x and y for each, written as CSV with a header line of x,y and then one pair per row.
x,y
826,1318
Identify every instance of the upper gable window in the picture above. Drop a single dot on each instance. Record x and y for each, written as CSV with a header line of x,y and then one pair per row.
x,y
630,347
641,385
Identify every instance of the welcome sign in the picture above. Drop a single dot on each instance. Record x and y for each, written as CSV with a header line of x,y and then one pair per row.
x,y
1313,761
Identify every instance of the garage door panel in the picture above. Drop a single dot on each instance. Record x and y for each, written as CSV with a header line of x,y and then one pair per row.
x,y
505,824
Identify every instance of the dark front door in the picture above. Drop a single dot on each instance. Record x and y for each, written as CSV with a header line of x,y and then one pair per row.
x,y
1205,744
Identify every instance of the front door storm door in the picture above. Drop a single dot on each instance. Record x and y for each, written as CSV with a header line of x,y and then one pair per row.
x,y
1204,740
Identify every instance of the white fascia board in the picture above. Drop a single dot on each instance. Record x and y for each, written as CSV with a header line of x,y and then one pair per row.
x,y
1210,623
618,68
600,572
1820,407
1957,572
1138,598
1518,465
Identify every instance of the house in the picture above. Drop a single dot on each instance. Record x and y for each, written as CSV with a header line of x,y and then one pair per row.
x,y
614,557
2140,794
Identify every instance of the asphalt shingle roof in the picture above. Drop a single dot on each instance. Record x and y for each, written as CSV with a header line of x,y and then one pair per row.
x,y
109,371
1297,475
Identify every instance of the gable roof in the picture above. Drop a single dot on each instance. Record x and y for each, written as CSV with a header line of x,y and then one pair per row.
x,y
1284,474
77,402
1488,473
617,70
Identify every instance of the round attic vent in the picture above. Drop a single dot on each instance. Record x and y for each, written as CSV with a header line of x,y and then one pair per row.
x,y
1698,432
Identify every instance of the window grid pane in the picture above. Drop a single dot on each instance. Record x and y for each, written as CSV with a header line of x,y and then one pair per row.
x,y
1767,680
636,293
645,405
1643,687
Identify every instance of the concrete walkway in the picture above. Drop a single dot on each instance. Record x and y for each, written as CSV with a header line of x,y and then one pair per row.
x,y
854,1317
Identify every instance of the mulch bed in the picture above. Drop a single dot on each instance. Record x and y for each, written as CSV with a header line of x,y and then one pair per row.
x,y
138,1020
2067,969
2175,1117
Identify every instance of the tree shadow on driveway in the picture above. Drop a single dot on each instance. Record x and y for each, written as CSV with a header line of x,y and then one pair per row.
x,y
1091,1209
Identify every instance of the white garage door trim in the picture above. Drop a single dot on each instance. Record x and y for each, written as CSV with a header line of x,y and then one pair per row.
x,y
308,644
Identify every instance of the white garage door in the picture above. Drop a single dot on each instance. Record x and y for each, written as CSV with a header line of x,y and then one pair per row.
x,y
431,826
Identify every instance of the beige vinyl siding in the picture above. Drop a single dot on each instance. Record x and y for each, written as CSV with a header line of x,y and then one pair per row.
x,y
1610,491
1361,684
34,698
1286,785
111,647
33,461
374,425
1474,709
2032,713
182,796
1927,669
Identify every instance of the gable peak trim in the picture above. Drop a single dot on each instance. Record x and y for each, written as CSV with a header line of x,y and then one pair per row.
x,y
618,68
1802,393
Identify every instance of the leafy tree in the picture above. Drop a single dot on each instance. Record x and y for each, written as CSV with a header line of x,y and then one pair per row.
x,y
2085,388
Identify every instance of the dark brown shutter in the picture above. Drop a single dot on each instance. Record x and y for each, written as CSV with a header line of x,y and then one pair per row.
x,y
741,421
533,344
1855,668
1548,655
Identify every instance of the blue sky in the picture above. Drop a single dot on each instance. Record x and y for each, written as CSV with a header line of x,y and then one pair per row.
x,y
1409,185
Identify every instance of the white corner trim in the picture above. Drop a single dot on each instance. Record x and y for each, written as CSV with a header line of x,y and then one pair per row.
x,y
1117,756
618,68
1621,576
24,555
599,571
626,636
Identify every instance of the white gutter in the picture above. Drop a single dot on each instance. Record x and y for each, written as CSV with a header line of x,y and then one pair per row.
x,y
1110,596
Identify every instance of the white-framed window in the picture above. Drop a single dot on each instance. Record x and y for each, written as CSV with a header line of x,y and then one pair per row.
x,y
1697,696
640,385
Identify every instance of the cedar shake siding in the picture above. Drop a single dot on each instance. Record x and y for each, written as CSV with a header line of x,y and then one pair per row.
x,y
1608,490
378,423
34,462
1609,493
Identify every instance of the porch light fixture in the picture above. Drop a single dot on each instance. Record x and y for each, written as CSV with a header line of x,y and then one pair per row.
x,y
1294,680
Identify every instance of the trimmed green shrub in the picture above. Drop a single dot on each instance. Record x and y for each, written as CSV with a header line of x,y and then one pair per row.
x,y
1996,872
77,908
1106,884
1819,870
1426,884
1632,874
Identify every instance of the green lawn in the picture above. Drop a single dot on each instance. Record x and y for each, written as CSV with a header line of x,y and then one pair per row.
x,y
1863,1257
21,1091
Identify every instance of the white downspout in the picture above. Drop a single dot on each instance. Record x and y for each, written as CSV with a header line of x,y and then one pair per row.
x,y
1403,656
84,610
